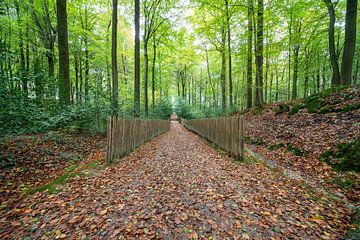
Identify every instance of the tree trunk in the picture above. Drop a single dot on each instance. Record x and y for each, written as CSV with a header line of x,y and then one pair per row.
x,y
210,79
153,74
249,54
356,71
64,67
223,71
289,56
115,76
306,83
259,54
296,69
332,48
146,77
271,83
350,42
137,60
77,78
229,53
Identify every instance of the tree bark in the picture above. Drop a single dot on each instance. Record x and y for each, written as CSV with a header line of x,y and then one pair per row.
x,y
229,53
115,76
153,73
259,54
332,48
296,70
249,55
137,60
350,42
64,67
223,71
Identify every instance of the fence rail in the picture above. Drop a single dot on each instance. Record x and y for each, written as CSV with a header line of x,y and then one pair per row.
x,y
226,132
124,135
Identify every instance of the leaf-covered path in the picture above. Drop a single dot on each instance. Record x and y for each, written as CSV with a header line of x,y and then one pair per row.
x,y
178,187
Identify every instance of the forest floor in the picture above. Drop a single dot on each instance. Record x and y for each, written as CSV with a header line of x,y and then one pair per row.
x,y
178,186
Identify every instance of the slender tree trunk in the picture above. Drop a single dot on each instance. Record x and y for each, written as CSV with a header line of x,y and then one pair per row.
x,y
249,54
64,67
137,60
259,54
324,78
289,56
350,42
332,48
223,71
115,76
81,79
296,69
210,78
318,80
146,77
306,83
271,83
356,71
22,69
153,73
229,53
267,65
77,78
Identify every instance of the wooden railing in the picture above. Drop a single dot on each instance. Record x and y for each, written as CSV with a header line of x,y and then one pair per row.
x,y
124,135
226,132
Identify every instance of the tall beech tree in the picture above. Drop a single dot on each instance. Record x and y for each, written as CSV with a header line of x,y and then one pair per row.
x,y
115,76
137,60
63,42
350,42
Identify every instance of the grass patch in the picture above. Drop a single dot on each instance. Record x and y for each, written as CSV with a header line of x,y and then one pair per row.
x,y
52,187
70,172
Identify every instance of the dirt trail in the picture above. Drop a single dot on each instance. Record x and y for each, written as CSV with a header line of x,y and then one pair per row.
x,y
178,187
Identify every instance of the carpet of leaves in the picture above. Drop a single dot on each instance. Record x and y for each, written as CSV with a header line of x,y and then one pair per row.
x,y
313,134
30,161
178,187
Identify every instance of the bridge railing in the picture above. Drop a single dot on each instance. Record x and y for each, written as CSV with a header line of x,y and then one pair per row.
x,y
124,135
226,132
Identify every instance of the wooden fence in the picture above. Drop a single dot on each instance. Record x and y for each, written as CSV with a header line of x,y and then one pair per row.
x,y
226,132
124,135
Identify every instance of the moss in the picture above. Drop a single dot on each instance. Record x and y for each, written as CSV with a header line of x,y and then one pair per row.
x,y
250,140
354,232
276,146
294,150
350,107
345,157
283,108
295,109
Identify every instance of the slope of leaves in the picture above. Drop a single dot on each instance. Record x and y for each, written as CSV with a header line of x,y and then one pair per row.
x,y
178,187
30,161
309,134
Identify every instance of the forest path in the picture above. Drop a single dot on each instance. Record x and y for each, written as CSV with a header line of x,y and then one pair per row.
x,y
178,187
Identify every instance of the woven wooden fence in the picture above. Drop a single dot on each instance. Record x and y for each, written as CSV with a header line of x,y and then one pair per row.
x,y
227,132
124,135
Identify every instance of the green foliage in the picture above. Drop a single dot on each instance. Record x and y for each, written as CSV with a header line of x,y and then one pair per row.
x,y
19,115
345,157
295,150
283,108
162,110
295,109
